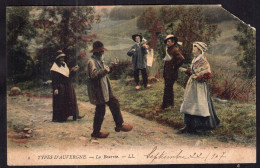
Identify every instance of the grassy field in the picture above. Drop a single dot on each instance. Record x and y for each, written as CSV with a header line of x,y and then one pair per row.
x,y
123,29
116,37
238,119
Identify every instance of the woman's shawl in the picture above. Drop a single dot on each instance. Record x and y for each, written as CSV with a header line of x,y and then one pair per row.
x,y
200,67
62,70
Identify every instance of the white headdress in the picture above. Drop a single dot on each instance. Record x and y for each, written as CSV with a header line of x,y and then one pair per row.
x,y
201,46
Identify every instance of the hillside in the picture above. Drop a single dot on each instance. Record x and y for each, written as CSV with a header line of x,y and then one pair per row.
x,y
118,35
225,45
222,52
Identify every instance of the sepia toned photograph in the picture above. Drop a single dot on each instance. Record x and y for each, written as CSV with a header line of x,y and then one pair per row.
x,y
129,85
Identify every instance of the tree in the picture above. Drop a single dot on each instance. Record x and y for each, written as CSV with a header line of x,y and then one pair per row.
x,y
194,26
166,14
68,29
187,23
20,31
246,58
170,14
147,18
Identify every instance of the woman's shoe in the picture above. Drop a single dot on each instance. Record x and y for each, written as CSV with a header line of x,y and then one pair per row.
x,y
184,130
79,117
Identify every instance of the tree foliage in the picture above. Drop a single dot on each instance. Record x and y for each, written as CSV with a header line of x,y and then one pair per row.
x,y
65,28
147,18
169,14
194,26
189,24
246,58
20,30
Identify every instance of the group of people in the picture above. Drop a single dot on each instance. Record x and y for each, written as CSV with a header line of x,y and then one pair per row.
x,y
197,105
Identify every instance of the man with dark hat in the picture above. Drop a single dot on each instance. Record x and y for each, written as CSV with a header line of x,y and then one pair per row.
x,y
172,61
100,92
138,53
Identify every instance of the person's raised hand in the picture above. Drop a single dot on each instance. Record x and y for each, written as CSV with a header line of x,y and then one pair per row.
x,y
75,68
182,69
107,68
56,92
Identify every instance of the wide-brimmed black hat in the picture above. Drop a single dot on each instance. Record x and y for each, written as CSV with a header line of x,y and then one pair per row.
x,y
60,54
138,34
98,46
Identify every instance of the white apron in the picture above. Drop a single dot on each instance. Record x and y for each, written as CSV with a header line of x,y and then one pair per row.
x,y
195,100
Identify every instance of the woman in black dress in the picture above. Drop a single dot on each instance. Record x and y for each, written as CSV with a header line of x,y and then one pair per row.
x,y
64,97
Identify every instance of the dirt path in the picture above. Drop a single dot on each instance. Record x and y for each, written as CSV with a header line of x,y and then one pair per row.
x,y
35,114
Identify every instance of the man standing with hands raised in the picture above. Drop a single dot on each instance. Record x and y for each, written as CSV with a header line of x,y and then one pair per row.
x,y
100,92
138,52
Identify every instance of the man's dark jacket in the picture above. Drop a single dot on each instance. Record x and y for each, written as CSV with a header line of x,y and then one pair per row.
x,y
171,67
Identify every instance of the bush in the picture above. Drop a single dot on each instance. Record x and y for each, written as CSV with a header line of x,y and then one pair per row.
x,y
121,70
246,38
232,86
27,85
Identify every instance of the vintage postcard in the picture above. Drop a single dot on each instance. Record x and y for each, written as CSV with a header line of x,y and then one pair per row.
x,y
128,85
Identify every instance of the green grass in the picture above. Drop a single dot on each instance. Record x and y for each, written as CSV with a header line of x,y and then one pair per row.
x,y
238,119
145,101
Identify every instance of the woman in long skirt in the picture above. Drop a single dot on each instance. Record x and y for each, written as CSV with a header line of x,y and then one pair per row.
x,y
197,105
64,97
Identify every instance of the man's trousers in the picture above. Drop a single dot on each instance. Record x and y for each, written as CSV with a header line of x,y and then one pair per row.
x,y
144,75
114,107
168,96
